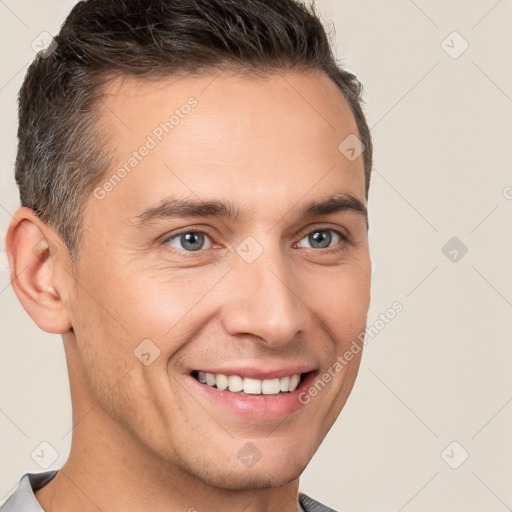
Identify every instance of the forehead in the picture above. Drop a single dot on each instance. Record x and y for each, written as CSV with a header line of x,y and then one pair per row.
x,y
270,138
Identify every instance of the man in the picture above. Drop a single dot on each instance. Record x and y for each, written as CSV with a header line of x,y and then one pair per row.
x,y
193,177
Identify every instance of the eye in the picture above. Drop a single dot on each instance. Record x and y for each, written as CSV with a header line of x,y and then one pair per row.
x,y
322,238
189,241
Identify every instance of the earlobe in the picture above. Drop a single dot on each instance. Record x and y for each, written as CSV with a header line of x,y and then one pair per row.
x,y
31,250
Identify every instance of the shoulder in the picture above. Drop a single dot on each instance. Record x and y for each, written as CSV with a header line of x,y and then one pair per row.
x,y
24,498
311,505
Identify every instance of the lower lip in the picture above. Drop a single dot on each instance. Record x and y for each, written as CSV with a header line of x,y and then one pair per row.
x,y
257,406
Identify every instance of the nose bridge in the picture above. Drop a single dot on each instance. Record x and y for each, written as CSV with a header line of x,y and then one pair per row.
x,y
262,299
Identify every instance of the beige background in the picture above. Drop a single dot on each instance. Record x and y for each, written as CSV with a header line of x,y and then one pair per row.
x,y
440,371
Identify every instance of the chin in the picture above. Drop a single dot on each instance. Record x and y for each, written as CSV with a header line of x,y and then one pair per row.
x,y
273,469
252,478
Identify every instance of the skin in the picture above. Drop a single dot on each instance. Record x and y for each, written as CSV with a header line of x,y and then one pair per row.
x,y
142,433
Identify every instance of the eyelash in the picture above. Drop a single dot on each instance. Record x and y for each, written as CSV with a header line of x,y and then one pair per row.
x,y
191,254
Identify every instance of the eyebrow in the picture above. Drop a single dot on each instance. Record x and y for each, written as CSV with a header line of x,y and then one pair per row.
x,y
174,207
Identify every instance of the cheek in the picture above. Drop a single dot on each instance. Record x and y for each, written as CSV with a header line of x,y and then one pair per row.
x,y
116,308
341,300
108,321
103,341
166,307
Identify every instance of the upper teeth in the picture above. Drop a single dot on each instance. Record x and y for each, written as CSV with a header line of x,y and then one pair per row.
x,y
235,383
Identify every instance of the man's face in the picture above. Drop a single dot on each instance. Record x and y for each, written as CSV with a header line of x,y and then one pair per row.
x,y
272,293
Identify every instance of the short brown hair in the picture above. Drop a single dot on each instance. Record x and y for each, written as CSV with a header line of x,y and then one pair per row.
x,y
61,154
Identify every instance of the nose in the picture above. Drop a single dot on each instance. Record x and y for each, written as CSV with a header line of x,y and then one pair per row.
x,y
264,300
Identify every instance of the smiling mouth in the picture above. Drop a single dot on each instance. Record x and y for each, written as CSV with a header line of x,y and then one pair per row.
x,y
246,386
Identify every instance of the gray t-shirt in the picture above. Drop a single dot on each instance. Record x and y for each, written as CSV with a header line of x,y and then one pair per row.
x,y
24,500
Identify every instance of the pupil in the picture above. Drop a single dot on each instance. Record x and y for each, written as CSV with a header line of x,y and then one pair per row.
x,y
323,237
190,241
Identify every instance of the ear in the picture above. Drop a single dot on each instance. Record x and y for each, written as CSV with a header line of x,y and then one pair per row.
x,y
31,247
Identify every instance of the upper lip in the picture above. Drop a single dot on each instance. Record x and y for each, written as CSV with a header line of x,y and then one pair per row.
x,y
261,372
